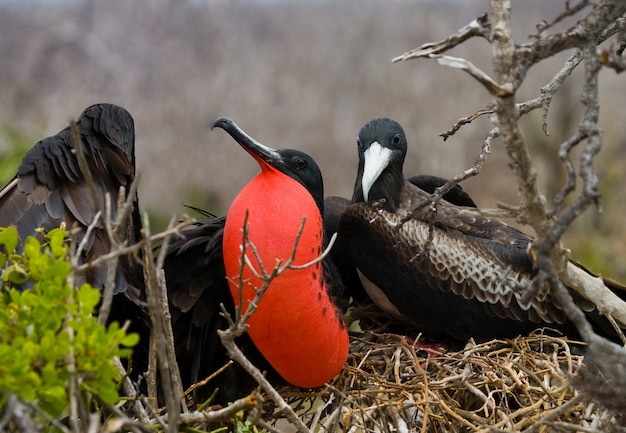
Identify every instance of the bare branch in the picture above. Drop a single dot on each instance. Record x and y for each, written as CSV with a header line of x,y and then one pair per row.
x,y
224,414
228,337
593,288
568,12
162,331
84,165
613,61
472,171
464,121
322,256
130,249
548,91
570,183
131,393
477,27
596,27
208,378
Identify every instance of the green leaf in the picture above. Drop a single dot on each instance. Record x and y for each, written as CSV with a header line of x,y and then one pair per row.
x,y
56,238
130,340
15,274
88,297
9,238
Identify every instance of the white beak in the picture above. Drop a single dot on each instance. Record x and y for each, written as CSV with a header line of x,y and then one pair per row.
x,y
377,159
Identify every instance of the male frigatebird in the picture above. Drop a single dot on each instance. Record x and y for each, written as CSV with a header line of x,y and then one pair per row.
x,y
469,280
296,328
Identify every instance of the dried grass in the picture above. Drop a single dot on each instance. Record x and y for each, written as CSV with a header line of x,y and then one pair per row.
x,y
392,384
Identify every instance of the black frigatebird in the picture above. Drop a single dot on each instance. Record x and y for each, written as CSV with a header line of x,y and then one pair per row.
x,y
468,281
296,328
335,206
50,190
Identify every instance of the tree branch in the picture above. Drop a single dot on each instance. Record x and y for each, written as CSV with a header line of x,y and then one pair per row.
x,y
477,27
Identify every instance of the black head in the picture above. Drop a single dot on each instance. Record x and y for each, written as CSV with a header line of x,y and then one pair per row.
x,y
382,148
293,163
301,167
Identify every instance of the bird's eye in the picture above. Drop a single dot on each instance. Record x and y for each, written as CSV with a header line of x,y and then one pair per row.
x,y
359,143
300,163
396,139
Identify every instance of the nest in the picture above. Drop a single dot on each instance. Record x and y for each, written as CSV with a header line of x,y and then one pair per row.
x,y
392,383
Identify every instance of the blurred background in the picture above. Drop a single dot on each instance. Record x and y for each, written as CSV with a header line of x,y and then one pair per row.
x,y
300,74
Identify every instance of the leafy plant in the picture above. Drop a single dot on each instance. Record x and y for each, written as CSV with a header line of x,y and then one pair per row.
x,y
48,334
16,146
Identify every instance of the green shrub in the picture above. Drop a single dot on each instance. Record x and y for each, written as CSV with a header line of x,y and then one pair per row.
x,y
47,329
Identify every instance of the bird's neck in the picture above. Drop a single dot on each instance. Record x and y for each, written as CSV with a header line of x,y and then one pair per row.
x,y
386,191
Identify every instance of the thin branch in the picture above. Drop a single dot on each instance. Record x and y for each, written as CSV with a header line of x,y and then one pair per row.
x,y
496,89
570,184
228,337
84,165
479,163
594,289
596,26
111,276
568,12
207,379
613,61
162,331
131,392
19,413
547,92
465,121
226,413
437,196
477,27
130,249
321,257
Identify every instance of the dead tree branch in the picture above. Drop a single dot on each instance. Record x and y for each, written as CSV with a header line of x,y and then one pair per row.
x,y
477,27
156,294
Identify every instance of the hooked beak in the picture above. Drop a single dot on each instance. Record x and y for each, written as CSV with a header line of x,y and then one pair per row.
x,y
259,151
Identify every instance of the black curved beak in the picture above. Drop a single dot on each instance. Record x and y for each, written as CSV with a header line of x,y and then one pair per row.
x,y
258,150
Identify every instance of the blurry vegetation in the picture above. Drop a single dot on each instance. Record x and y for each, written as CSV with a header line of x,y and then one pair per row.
x,y
49,340
16,144
304,75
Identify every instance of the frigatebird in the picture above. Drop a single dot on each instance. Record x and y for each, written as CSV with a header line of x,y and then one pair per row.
x,y
297,327
455,272
335,206
50,190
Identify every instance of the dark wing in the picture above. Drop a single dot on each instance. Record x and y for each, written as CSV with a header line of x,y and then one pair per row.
x,y
50,189
468,282
334,207
196,283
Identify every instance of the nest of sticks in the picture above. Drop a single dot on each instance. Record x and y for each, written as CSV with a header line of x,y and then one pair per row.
x,y
391,383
